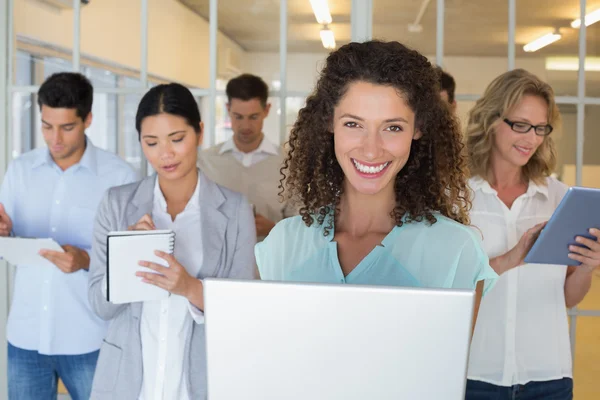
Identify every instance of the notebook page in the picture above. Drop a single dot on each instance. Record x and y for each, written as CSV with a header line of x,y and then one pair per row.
x,y
124,253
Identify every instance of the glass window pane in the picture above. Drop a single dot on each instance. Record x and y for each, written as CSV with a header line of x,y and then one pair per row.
x,y
53,65
587,354
118,48
306,51
591,158
103,130
24,69
562,57
391,22
100,77
178,41
23,112
39,25
473,60
590,178
271,123
565,139
293,106
592,300
129,144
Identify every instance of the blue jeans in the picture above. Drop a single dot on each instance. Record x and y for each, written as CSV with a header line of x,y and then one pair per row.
x,y
560,389
34,376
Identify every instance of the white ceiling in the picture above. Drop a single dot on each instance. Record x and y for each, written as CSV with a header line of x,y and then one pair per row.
x,y
472,27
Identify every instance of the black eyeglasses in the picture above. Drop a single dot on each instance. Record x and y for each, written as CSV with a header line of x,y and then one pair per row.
x,y
524,127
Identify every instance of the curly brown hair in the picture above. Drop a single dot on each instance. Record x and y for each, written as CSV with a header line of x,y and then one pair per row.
x,y
433,179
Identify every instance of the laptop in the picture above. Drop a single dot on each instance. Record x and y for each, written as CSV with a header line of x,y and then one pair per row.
x,y
299,341
573,217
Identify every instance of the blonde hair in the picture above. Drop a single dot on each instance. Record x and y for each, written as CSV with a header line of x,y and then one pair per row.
x,y
500,98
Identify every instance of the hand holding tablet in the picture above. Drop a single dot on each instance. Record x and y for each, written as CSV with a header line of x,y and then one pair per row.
x,y
587,251
572,235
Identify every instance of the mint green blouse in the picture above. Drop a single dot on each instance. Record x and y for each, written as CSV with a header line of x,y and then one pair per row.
x,y
417,254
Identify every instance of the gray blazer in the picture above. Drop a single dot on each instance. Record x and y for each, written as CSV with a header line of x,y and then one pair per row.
x,y
228,236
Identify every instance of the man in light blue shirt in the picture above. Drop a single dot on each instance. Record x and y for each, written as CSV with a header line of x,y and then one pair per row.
x,y
54,192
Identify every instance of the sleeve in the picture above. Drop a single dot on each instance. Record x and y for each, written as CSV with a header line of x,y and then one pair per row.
x,y
243,265
96,277
268,253
196,314
473,265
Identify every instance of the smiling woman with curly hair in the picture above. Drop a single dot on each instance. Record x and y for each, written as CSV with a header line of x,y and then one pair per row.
x,y
375,161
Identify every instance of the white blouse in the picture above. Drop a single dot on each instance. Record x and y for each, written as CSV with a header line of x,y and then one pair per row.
x,y
164,323
522,332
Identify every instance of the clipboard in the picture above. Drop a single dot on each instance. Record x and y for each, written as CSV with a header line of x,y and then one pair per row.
x,y
25,251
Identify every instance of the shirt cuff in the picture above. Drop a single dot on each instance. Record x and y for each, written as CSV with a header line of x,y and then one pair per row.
x,y
196,314
89,253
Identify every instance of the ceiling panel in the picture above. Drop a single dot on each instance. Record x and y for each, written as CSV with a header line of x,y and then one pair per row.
x,y
472,27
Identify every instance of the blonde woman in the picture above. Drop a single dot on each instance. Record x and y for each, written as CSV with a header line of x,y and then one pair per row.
x,y
521,343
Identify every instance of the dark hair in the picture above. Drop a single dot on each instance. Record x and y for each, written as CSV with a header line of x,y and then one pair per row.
x,y
447,84
172,98
246,87
433,179
67,90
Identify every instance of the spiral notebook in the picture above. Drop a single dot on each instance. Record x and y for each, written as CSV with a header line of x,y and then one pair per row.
x,y
124,250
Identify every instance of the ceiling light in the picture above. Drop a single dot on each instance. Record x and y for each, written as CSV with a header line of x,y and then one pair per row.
x,y
591,18
542,42
321,10
327,38
572,64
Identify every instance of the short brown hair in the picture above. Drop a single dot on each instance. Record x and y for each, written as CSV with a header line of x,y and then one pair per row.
x,y
247,87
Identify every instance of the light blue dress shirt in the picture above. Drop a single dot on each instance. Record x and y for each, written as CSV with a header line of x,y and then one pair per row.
x,y
50,312
417,254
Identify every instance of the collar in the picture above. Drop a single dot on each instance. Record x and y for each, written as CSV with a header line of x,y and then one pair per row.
x,y
43,158
478,183
88,159
265,147
193,203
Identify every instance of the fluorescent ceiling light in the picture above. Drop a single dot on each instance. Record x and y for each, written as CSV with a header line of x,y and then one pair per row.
x,y
572,64
327,38
591,18
542,42
321,10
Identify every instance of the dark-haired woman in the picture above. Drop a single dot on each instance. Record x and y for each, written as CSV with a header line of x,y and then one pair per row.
x,y
155,349
375,161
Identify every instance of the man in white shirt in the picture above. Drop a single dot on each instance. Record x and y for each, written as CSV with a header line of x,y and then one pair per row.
x,y
54,192
248,162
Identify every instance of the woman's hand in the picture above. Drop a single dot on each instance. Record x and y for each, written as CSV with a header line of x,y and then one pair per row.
x,y
590,257
144,224
174,278
516,256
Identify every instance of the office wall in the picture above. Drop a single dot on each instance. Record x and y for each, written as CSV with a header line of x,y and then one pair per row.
x,y
110,30
566,140
472,74
178,50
